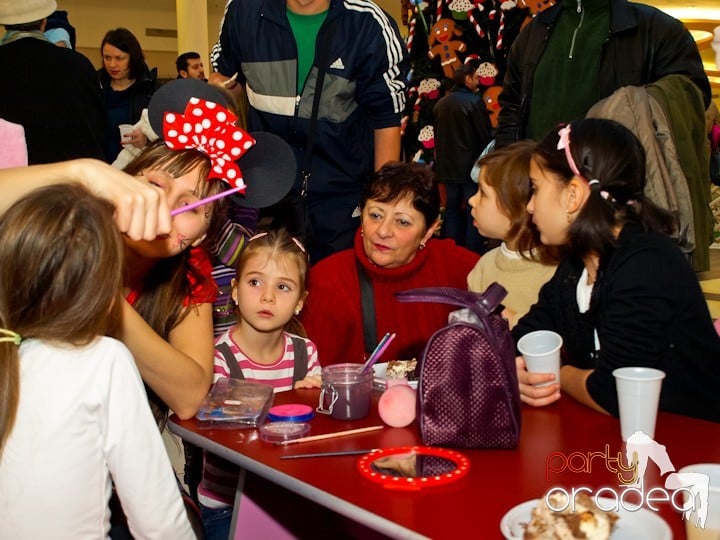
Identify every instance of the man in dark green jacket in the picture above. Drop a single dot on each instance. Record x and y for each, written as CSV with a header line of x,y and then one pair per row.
x,y
579,52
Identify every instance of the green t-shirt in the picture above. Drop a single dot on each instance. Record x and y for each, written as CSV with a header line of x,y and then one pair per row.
x,y
565,83
305,30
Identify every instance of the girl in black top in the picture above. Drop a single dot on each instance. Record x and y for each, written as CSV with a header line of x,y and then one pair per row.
x,y
624,295
127,86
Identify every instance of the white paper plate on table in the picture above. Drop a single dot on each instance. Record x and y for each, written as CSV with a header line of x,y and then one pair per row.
x,y
380,378
630,526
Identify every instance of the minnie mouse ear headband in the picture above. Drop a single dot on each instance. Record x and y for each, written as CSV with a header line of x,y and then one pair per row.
x,y
189,113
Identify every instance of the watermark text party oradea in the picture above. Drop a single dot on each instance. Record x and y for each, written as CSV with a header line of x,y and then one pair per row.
x,y
687,492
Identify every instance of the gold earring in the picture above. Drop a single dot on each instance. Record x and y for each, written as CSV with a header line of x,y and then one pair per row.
x,y
421,246
297,312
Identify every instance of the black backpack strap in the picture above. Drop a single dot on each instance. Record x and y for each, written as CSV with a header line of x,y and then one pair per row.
x,y
230,360
367,302
301,359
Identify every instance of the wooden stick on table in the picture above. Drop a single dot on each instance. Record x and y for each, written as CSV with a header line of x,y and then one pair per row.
x,y
332,435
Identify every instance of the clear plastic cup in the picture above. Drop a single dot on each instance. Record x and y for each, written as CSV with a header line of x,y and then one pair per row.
x,y
638,390
541,351
703,518
126,133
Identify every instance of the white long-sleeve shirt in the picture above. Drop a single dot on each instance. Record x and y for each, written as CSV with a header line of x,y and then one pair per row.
x,y
83,417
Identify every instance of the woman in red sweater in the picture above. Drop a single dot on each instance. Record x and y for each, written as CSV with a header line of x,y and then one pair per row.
x,y
396,249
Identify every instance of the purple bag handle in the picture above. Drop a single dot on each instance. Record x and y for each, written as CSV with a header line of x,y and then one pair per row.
x,y
482,304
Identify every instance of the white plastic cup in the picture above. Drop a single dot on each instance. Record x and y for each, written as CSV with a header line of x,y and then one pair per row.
x,y
693,528
126,133
541,351
638,391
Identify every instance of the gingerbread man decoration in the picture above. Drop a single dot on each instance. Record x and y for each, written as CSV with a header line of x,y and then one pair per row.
x,y
490,97
444,46
535,7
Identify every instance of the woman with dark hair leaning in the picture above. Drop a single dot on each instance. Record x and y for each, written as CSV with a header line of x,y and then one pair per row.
x,y
395,249
127,86
623,295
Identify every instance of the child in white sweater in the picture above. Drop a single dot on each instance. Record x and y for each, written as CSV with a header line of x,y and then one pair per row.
x,y
74,416
521,264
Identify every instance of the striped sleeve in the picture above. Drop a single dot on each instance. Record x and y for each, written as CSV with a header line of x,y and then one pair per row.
x,y
386,93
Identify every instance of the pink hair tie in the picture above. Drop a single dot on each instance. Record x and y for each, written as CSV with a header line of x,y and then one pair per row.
x,y
564,144
298,243
604,194
258,235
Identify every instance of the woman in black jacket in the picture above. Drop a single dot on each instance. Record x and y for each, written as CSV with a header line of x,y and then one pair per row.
x,y
127,86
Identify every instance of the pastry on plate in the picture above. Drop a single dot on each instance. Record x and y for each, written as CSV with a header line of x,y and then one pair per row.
x,y
586,522
402,369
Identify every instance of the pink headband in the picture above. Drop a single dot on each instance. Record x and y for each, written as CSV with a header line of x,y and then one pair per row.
x,y
564,144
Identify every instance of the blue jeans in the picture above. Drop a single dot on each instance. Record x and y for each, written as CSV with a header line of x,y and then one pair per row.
x,y
216,522
458,221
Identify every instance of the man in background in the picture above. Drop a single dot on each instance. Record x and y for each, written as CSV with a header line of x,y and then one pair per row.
x,y
53,92
577,52
462,130
190,66
271,46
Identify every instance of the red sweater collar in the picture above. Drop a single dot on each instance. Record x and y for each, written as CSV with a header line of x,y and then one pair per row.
x,y
390,274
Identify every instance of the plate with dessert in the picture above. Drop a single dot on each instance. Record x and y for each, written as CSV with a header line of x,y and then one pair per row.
x,y
534,520
395,370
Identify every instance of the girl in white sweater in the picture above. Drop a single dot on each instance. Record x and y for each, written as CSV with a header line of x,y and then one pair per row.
x,y
74,418
521,264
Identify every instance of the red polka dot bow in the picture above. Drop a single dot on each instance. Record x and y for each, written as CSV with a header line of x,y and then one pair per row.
x,y
209,128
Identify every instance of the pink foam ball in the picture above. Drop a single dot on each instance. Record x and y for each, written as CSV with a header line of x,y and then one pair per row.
x,y
397,406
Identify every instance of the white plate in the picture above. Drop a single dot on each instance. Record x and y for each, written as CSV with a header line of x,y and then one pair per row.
x,y
380,379
629,526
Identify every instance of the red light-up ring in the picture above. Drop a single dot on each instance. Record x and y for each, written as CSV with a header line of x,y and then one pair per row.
x,y
462,466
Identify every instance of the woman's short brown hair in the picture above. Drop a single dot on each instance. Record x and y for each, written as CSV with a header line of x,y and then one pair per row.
x,y
398,180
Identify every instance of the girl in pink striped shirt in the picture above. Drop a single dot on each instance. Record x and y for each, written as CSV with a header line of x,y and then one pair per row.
x,y
266,345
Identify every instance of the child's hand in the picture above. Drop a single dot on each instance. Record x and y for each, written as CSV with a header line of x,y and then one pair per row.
x,y
139,140
530,393
311,381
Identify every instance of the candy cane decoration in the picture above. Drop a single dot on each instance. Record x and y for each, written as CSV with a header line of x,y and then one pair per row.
x,y
438,11
413,90
504,6
418,99
474,21
501,28
411,33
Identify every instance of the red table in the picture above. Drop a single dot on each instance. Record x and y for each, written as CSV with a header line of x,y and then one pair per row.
x,y
498,479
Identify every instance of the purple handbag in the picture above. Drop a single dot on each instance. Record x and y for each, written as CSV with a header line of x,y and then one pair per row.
x,y
468,394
